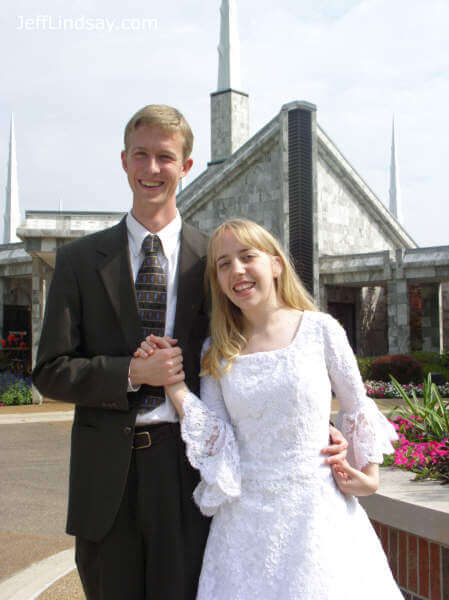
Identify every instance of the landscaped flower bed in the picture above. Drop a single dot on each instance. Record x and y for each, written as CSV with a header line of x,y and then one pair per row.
x,y
381,389
14,389
422,426
415,453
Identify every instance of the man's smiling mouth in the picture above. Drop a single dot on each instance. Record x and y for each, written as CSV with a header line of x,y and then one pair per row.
x,y
150,184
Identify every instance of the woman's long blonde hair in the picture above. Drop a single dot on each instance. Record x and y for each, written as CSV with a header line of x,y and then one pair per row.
x,y
227,321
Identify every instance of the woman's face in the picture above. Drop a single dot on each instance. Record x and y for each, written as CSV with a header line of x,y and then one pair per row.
x,y
246,275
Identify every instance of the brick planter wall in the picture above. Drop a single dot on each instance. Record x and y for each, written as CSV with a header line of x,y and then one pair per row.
x,y
420,566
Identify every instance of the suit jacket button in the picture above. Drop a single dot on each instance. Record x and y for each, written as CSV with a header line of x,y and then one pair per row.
x,y
127,430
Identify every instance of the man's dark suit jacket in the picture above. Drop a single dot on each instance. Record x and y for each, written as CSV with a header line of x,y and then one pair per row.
x,y
90,331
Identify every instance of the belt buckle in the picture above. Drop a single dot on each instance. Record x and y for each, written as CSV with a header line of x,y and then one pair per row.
x,y
146,444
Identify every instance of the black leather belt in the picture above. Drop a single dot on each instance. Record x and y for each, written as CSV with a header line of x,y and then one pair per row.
x,y
146,436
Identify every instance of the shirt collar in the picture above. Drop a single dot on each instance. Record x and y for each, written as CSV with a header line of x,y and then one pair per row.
x,y
169,235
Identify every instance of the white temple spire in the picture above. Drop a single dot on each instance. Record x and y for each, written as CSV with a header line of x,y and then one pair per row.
x,y
229,105
229,48
395,198
11,219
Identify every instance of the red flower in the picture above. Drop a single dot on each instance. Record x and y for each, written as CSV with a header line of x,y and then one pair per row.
x,y
22,345
3,343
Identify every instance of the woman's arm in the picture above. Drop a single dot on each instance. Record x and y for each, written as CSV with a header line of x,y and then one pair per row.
x,y
368,432
206,428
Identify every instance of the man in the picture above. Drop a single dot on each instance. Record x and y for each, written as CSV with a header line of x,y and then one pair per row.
x,y
138,533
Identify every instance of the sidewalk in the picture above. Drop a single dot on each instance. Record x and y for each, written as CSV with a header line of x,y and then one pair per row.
x,y
45,567
46,406
48,411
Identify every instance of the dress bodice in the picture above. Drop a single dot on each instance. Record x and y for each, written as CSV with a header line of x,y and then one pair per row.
x,y
278,402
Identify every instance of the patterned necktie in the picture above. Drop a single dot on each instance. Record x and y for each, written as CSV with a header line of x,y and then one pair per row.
x,y
151,293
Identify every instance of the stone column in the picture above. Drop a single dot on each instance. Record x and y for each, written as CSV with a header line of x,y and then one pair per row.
x,y
432,317
37,314
398,317
323,297
445,313
229,123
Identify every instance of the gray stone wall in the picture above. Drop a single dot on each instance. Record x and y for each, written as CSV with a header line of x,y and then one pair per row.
x,y
17,291
344,227
398,317
255,194
431,317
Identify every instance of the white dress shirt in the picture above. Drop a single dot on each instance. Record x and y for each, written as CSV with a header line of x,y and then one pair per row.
x,y
170,237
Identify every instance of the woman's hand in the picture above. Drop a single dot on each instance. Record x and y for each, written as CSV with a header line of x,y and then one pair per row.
x,y
355,482
338,446
148,347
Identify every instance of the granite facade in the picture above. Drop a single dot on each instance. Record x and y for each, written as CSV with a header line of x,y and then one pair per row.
x,y
344,226
253,193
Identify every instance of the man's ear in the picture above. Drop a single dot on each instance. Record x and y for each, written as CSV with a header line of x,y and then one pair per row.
x,y
187,166
124,162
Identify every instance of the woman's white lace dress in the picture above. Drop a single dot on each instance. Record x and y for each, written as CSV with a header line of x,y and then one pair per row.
x,y
281,528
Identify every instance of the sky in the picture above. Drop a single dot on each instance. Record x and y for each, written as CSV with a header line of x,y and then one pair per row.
x,y
74,74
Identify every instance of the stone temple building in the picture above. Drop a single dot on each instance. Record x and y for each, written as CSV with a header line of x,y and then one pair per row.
x,y
350,250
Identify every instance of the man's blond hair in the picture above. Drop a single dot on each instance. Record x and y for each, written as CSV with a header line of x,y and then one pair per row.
x,y
167,118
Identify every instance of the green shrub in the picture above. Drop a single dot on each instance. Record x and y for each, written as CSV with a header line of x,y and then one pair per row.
x,y
425,356
435,368
433,362
365,367
16,393
444,359
403,368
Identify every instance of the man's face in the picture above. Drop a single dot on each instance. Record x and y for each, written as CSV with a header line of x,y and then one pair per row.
x,y
154,164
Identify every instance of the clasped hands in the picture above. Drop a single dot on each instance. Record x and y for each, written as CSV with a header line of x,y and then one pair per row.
x,y
157,361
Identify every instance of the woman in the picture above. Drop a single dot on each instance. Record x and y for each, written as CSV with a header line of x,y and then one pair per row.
x,y
282,530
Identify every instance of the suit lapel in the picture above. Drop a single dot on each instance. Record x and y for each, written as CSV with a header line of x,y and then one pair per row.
x,y
190,294
114,268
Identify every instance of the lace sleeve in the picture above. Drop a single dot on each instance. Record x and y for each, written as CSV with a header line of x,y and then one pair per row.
x,y
211,447
368,432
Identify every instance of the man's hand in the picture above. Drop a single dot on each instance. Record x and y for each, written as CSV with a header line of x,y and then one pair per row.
x,y
156,366
175,387
337,448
